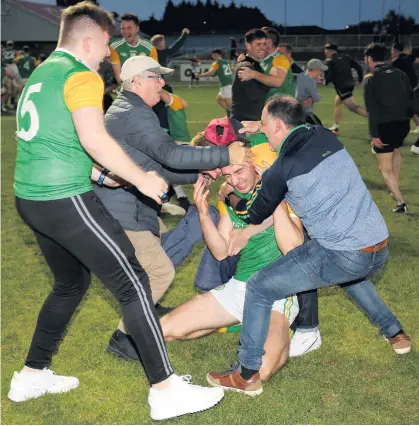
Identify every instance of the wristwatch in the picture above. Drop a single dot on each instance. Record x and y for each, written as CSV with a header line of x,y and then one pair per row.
x,y
102,177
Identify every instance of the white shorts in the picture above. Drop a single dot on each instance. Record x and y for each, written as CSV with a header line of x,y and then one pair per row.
x,y
231,297
225,92
13,70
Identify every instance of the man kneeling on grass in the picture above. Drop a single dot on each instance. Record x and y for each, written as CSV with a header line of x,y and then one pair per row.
x,y
223,306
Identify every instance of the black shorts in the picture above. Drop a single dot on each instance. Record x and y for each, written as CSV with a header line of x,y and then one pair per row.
x,y
345,92
392,134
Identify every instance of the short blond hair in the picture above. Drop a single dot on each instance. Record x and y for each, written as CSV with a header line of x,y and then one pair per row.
x,y
84,13
156,39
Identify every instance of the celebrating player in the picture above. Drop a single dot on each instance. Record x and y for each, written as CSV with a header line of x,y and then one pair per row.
x,y
221,68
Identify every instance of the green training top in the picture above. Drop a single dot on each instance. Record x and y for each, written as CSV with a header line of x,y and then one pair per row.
x,y
26,65
177,120
51,164
224,74
260,251
125,50
278,59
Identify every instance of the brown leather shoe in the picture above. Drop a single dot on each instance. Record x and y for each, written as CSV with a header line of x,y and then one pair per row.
x,y
232,380
401,343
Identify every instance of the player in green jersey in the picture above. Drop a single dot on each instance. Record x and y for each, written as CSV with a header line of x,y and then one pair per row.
x,y
26,64
178,126
276,66
60,129
131,44
223,306
221,68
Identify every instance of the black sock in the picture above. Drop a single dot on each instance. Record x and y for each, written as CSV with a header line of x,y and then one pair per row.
x,y
246,373
399,332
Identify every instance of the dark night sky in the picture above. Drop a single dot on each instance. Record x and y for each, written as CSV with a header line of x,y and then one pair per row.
x,y
337,13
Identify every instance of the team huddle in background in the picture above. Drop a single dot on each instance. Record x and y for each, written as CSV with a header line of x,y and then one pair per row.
x,y
293,214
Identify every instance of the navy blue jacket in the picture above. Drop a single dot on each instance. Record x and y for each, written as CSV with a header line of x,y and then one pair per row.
x,y
322,184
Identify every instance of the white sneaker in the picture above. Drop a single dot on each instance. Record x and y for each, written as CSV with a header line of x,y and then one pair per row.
x,y
415,149
302,343
415,130
26,385
181,397
173,209
334,128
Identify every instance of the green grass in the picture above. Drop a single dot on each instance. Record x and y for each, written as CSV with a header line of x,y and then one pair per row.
x,y
353,378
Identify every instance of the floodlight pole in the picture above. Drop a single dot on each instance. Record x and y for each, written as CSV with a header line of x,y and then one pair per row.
x,y
359,22
285,16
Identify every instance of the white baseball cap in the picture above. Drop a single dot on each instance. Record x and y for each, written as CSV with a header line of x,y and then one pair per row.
x,y
137,64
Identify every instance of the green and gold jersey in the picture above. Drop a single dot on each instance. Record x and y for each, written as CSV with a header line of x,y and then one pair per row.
x,y
9,56
177,120
51,164
279,60
26,65
260,251
223,72
121,50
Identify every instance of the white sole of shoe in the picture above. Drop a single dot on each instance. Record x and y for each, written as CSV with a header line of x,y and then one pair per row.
x,y
248,393
177,414
402,351
17,395
316,345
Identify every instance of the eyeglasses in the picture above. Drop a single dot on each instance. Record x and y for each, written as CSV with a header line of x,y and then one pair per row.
x,y
154,77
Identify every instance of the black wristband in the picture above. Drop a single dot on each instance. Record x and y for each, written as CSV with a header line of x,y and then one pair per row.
x,y
102,177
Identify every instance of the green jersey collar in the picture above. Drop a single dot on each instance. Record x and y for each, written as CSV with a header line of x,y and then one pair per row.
x,y
60,49
289,133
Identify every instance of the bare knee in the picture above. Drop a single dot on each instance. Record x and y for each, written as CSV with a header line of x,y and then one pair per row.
x,y
385,169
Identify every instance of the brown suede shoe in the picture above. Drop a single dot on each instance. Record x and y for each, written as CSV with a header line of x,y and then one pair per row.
x,y
401,343
231,380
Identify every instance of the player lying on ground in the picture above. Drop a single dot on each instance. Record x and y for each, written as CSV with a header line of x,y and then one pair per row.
x,y
223,306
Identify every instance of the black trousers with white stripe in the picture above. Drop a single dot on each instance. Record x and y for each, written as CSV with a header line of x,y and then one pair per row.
x,y
78,236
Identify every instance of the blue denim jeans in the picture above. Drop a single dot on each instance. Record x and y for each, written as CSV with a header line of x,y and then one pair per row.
x,y
305,268
179,241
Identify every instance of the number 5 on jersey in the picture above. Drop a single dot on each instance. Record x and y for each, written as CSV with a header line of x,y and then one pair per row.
x,y
28,107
